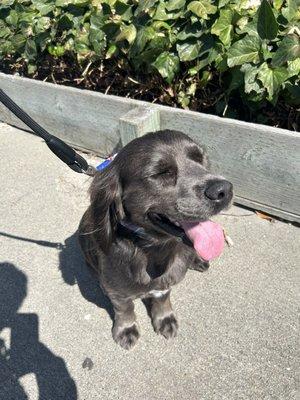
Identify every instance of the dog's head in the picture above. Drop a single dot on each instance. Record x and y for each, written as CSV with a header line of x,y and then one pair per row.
x,y
158,180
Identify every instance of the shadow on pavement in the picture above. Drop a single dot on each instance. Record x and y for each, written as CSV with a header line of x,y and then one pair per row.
x,y
75,271
26,354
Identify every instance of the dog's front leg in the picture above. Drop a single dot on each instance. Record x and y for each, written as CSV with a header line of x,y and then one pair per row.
x,y
125,330
163,318
199,265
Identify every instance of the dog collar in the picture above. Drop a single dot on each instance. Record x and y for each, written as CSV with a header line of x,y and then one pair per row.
x,y
140,237
134,232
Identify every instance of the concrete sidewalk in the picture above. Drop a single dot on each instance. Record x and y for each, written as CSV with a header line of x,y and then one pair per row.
x,y
239,327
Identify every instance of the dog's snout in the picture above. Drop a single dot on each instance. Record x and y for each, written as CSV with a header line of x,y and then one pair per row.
x,y
218,190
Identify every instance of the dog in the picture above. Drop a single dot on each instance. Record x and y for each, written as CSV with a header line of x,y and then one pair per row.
x,y
137,232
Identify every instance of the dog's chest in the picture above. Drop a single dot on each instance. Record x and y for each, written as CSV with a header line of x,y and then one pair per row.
x,y
157,293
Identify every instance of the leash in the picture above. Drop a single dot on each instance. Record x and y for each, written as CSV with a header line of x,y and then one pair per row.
x,y
61,149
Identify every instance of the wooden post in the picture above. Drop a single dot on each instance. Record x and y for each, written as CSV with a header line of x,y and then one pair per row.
x,y
137,122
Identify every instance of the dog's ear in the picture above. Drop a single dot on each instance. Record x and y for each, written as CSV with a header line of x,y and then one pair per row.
x,y
106,205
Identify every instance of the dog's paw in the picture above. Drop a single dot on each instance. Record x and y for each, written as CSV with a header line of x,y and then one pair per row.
x,y
167,326
199,265
126,337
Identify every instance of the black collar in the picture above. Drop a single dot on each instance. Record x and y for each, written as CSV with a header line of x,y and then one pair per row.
x,y
142,238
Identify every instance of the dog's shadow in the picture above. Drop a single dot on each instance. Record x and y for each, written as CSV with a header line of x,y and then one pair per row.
x,y
74,270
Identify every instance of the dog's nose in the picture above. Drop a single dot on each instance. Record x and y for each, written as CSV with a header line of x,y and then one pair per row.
x,y
218,190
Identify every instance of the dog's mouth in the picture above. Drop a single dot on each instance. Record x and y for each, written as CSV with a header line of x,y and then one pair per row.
x,y
206,237
168,226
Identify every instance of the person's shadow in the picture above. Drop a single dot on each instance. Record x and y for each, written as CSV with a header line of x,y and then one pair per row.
x,y
26,354
74,270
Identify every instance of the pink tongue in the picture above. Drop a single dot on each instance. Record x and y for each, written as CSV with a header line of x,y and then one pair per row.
x,y
207,237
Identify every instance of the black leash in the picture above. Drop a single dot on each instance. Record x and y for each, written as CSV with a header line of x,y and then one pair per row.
x,y
61,149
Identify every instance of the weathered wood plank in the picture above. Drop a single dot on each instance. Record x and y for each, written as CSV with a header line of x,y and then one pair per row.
x,y
80,117
137,122
288,216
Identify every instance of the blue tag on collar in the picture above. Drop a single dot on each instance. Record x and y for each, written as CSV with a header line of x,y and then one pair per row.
x,y
105,163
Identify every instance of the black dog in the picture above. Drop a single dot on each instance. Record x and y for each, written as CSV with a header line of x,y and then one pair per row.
x,y
136,231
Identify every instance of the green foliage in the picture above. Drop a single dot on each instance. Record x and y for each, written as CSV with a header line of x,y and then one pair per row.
x,y
267,26
248,46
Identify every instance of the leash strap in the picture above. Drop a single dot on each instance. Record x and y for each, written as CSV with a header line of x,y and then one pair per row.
x,y
61,149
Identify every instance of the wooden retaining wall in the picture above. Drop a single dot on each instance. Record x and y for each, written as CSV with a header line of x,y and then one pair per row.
x,y
262,162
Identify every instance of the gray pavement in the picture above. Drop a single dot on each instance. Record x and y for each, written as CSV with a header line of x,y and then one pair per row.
x,y
239,326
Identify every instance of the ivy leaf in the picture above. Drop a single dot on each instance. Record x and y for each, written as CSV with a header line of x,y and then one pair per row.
x,y
244,50
6,3
250,81
288,50
128,32
5,32
31,68
278,4
30,50
81,48
211,56
56,51
188,51
42,39
144,35
144,6
161,25
241,23
12,18
272,78
223,3
62,3
172,5
162,13
81,44
167,65
294,67
190,31
123,9
267,26
111,29
291,11
111,51
44,7
42,25
223,26
154,48
236,79
97,21
202,8
183,99
249,27
18,41
97,40
293,91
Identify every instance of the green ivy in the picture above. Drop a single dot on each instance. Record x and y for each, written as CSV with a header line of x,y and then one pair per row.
x,y
252,46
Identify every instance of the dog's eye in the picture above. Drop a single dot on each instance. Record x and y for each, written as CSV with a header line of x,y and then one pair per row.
x,y
167,172
167,175
164,171
195,154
